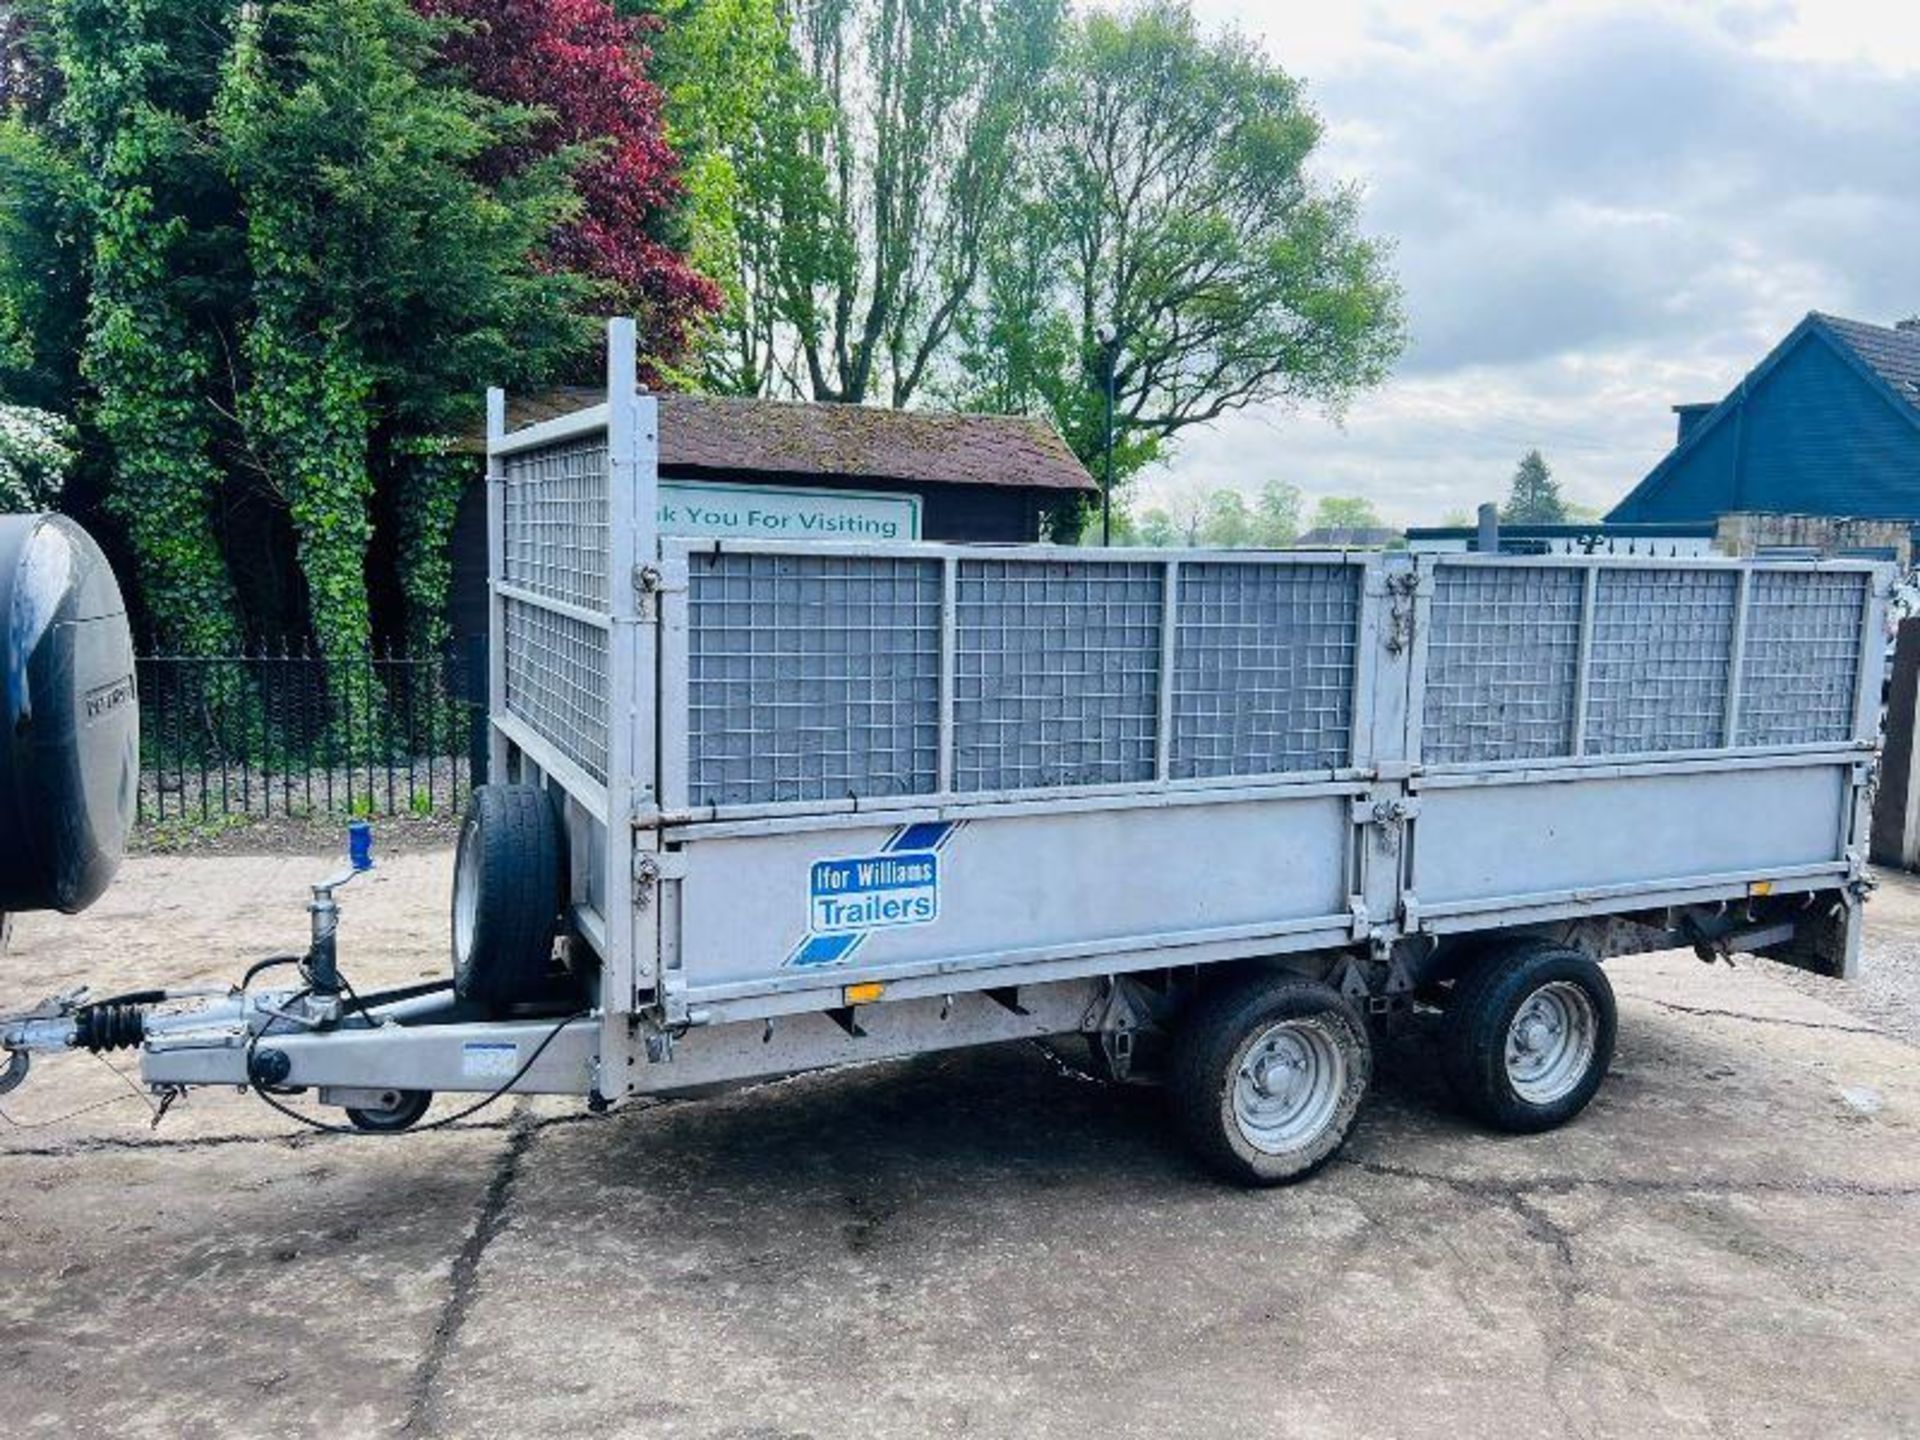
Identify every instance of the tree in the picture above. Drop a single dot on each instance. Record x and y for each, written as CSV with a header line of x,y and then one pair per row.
x,y
1189,512
136,82
1169,198
28,86
1345,512
1534,498
1156,529
1276,515
43,295
746,121
1227,524
369,233
264,254
583,67
860,247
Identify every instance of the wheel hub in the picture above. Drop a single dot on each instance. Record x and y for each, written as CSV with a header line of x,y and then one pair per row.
x,y
1551,1042
1287,1086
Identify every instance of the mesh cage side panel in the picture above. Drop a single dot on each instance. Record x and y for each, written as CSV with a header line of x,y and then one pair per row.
x,y
557,682
1057,672
1801,665
555,512
812,678
1662,642
1264,669
1501,655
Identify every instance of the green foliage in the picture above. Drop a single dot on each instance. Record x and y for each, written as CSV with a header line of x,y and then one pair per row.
x,y
1155,528
1346,512
358,164
1167,196
187,832
366,227
42,268
748,124
434,474
128,113
862,152
1226,521
1223,518
287,240
1276,518
1534,497
36,452
259,254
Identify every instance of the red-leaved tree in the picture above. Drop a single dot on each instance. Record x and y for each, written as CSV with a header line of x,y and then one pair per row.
x,y
586,67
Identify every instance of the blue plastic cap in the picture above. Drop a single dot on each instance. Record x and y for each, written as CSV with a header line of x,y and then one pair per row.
x,y
360,845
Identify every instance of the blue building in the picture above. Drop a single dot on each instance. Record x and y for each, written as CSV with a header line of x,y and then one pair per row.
x,y
1828,425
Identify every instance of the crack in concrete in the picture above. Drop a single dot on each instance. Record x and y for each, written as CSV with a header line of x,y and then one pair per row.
x,y
1504,1190
1559,1339
464,1284
1788,1021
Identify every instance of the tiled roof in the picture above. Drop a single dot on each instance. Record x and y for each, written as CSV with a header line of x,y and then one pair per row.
x,y
714,433
1890,352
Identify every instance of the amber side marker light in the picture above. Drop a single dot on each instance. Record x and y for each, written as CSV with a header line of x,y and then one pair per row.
x,y
865,994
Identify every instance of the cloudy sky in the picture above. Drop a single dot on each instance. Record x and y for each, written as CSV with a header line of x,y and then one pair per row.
x,y
1600,210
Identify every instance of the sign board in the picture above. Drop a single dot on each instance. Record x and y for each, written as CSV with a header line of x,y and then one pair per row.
x,y
874,892
777,512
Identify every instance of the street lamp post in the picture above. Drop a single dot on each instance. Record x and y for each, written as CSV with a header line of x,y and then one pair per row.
x,y
1109,339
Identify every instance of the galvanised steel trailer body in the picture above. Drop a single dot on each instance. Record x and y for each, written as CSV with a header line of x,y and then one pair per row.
x,y
830,802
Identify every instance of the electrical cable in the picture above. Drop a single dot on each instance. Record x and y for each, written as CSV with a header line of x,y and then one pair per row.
x,y
253,971
121,1075
261,966
70,1115
128,1081
358,1003
325,1128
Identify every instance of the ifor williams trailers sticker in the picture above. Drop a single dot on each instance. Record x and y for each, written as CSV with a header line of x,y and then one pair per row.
x,y
874,892
849,897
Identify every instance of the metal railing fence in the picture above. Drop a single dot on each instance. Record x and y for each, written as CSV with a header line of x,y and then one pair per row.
x,y
287,732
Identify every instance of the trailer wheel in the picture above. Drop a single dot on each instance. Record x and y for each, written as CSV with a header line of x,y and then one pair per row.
x,y
507,890
1529,1035
1268,1076
404,1111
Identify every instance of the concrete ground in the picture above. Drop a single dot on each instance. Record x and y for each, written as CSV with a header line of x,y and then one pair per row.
x,y
977,1244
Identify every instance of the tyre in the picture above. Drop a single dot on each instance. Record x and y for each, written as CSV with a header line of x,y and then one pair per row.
x,y
402,1112
1268,1076
1528,1036
508,890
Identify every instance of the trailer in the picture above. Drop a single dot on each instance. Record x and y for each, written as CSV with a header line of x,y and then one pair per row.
x,y
760,807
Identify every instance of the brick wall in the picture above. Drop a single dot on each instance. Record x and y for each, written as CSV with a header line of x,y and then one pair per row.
x,y
1748,532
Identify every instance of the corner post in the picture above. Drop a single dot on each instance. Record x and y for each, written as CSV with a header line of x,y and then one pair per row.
x,y
496,577
633,800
